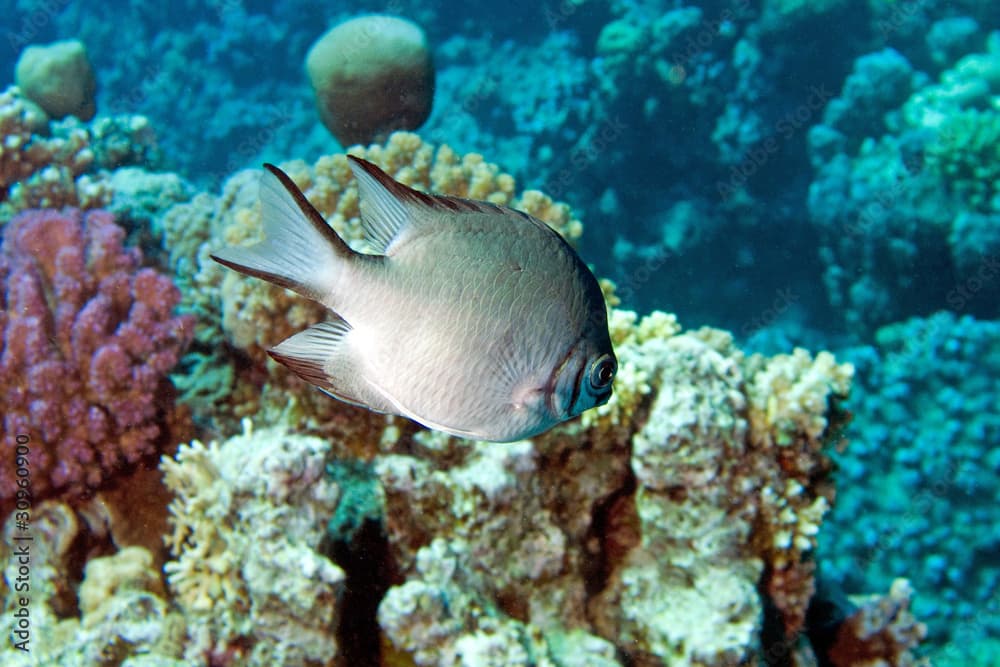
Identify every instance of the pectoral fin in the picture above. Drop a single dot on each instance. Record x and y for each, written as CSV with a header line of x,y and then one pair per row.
x,y
323,355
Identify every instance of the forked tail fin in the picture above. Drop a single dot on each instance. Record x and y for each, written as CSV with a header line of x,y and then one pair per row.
x,y
300,250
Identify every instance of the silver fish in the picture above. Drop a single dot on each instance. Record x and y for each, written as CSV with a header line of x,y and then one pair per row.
x,y
470,318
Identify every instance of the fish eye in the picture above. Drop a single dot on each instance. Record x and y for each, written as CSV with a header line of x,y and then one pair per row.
x,y
602,372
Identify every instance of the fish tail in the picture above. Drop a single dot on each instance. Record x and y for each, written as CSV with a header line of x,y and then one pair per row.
x,y
300,251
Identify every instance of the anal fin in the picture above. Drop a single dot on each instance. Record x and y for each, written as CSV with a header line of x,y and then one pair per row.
x,y
323,356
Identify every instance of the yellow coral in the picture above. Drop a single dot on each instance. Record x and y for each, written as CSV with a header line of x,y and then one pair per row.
x,y
790,396
204,574
22,152
632,381
45,166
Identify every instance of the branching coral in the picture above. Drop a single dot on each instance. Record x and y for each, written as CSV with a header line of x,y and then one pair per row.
x,y
89,337
794,408
906,197
247,519
925,400
881,632
51,164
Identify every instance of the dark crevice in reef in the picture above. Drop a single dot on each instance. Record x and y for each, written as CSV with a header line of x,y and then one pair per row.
x,y
614,530
777,648
365,561
828,609
357,542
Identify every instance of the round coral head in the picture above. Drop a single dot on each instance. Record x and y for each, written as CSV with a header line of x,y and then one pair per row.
x,y
58,77
372,75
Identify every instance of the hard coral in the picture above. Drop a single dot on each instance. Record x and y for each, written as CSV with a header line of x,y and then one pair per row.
x,y
25,147
906,197
88,340
118,614
247,517
666,513
881,632
59,77
355,63
925,400
51,164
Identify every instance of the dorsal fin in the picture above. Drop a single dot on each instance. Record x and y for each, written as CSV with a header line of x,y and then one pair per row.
x,y
388,206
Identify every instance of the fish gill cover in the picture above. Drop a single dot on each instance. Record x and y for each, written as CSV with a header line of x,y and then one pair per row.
x,y
804,175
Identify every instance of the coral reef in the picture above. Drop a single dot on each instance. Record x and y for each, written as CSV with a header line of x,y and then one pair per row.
x,y
51,164
665,509
354,63
720,154
925,400
881,632
695,490
247,572
905,197
118,614
25,148
88,338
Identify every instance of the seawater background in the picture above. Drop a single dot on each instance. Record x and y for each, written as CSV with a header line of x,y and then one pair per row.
x,y
749,165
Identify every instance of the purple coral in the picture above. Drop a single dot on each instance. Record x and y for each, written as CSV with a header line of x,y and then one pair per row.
x,y
88,338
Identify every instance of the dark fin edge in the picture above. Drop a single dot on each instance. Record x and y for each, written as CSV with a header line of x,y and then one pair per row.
x,y
406,194
312,215
279,280
310,371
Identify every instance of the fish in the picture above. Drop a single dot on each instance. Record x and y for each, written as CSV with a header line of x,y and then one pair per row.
x,y
467,317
